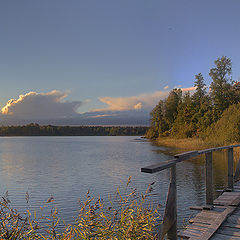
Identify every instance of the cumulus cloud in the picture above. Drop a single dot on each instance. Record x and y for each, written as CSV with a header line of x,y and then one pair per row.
x,y
143,101
41,105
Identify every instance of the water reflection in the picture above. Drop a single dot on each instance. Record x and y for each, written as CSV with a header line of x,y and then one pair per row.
x,y
66,167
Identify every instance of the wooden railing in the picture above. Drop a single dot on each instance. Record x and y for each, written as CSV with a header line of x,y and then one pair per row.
x,y
169,225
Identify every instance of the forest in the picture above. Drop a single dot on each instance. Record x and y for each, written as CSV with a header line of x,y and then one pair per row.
x,y
211,113
34,129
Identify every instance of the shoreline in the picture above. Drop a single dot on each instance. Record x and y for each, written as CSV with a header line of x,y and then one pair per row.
x,y
177,146
187,144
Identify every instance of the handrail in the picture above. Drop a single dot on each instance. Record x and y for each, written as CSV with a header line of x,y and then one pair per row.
x,y
169,163
169,225
182,157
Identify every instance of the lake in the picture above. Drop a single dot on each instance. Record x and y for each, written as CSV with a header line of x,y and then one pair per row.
x,y
67,167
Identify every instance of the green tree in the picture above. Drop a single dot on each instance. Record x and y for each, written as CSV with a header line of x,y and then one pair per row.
x,y
158,123
221,84
172,102
200,91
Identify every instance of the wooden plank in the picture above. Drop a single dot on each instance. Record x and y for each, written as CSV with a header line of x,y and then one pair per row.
x,y
230,193
189,233
198,208
187,155
200,224
236,201
216,224
160,166
169,225
201,227
237,184
214,218
228,198
217,149
181,157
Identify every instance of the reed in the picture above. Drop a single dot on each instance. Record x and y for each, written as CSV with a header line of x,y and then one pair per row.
x,y
128,216
184,144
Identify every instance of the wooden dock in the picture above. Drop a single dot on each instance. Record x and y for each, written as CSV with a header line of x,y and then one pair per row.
x,y
217,219
220,221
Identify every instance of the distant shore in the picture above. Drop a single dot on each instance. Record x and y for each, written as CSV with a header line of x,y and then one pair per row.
x,y
34,129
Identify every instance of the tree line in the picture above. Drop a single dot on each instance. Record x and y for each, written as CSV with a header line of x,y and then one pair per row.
x,y
34,129
184,115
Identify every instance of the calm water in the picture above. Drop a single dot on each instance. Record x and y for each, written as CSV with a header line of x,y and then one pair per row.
x,y
67,167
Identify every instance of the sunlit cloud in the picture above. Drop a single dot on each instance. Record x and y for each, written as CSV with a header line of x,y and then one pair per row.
x,y
166,87
190,89
138,106
103,115
142,101
52,107
41,105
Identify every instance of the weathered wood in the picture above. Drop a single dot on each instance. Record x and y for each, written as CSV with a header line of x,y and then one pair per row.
x,y
209,178
237,172
217,149
197,208
230,168
186,155
169,225
208,221
214,218
160,166
172,233
228,199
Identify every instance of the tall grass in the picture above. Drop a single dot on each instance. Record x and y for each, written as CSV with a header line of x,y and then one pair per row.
x,y
128,215
184,144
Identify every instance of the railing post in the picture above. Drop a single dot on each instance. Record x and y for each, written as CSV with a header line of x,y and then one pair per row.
x,y
230,169
209,178
172,233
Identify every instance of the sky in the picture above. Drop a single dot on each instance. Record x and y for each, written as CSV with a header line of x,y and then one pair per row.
x,y
108,61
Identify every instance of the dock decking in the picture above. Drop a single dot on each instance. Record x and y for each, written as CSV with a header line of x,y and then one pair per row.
x,y
220,222
220,218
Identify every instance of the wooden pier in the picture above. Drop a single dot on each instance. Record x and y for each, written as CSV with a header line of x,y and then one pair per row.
x,y
217,219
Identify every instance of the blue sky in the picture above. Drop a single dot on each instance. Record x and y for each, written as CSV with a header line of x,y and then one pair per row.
x,y
97,53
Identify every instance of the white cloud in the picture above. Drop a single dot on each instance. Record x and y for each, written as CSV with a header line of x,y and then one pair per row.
x,y
52,105
41,105
142,101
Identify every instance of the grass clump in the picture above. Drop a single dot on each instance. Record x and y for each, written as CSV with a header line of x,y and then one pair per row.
x,y
128,216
